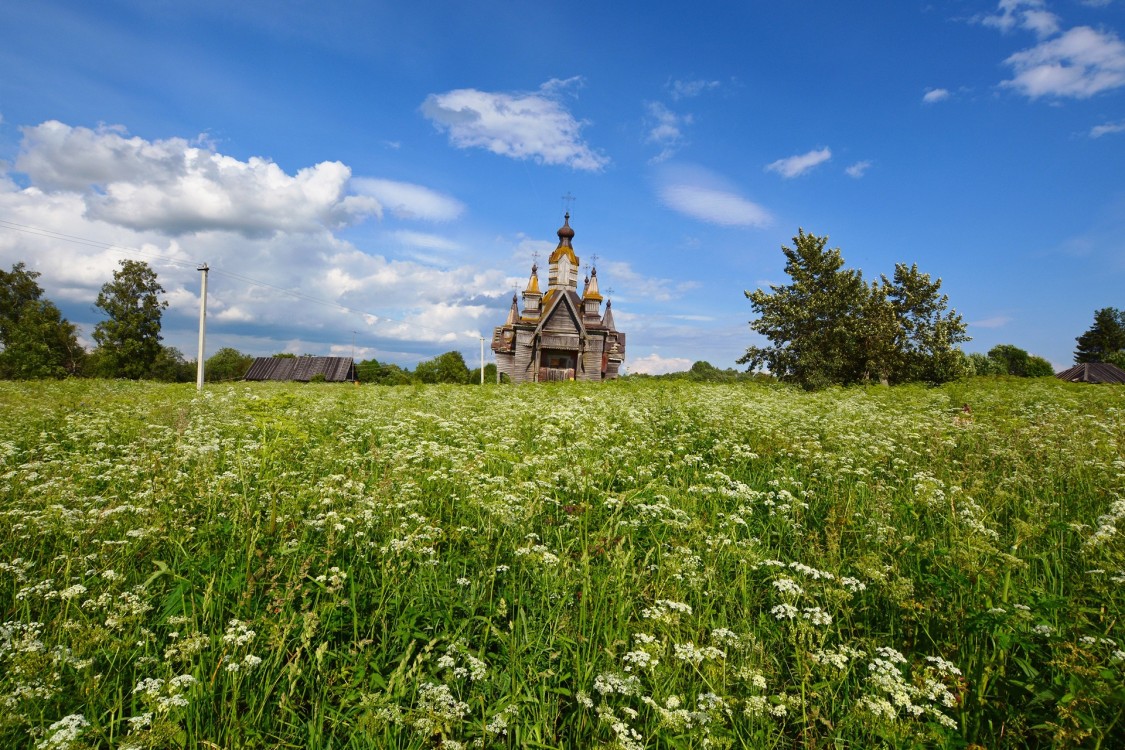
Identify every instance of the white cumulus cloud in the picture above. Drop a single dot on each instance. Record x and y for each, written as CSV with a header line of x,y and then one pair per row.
x,y
935,95
654,364
688,89
795,166
859,169
665,129
520,125
1107,128
1079,63
175,187
1030,15
409,201
714,206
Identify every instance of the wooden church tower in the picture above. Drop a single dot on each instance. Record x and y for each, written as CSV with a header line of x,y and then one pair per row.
x,y
561,334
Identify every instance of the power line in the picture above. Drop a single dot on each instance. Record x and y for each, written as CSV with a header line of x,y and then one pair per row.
x,y
52,234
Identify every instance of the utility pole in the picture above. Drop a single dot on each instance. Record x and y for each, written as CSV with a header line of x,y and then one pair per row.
x,y
482,360
202,327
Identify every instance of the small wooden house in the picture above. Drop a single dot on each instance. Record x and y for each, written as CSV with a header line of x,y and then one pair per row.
x,y
1093,372
560,334
303,369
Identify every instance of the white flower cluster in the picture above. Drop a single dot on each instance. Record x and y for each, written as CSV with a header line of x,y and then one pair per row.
x,y
63,732
437,707
839,657
611,682
690,653
163,695
666,611
334,579
462,664
895,697
238,634
1107,524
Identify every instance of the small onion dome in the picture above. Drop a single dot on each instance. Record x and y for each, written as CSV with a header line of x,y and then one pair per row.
x,y
592,286
533,281
566,234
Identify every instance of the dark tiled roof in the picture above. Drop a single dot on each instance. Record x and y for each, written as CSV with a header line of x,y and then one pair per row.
x,y
334,369
1093,372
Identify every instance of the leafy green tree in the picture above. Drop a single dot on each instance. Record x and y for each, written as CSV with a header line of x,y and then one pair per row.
x,y
1010,359
928,336
830,327
1038,367
17,288
38,342
982,364
1117,358
129,341
171,367
1105,337
489,375
444,368
814,323
43,344
227,364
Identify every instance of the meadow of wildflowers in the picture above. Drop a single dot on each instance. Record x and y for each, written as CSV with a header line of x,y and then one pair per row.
x,y
635,565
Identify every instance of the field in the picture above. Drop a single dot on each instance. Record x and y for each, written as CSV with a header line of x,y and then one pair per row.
x,y
643,564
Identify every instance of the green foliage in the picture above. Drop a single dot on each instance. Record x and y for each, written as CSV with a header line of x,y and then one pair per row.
x,y
1011,360
1117,358
644,563
37,341
705,372
17,288
444,368
227,364
129,340
489,375
171,367
1105,337
371,371
828,326
1038,367
42,344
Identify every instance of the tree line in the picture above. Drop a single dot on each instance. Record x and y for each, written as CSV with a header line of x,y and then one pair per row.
x,y
829,326
38,342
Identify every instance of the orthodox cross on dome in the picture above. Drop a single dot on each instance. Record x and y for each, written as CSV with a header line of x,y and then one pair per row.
x,y
568,200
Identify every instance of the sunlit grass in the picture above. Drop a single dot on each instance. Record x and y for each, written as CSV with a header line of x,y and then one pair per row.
x,y
641,564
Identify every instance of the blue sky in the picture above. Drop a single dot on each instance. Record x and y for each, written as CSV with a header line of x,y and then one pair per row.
x,y
386,172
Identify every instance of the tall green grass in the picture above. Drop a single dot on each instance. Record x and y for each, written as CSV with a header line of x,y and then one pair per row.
x,y
638,564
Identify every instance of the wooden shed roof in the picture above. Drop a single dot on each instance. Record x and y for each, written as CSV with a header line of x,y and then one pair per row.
x,y
1093,372
304,369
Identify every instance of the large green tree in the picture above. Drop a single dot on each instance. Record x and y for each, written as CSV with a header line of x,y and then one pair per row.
x,y
129,340
444,368
227,364
929,334
829,326
38,342
1104,338
813,324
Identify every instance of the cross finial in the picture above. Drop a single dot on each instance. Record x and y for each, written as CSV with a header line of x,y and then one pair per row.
x,y
609,291
594,260
568,200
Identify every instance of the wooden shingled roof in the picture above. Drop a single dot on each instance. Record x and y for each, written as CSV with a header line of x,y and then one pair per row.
x,y
304,369
1093,372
